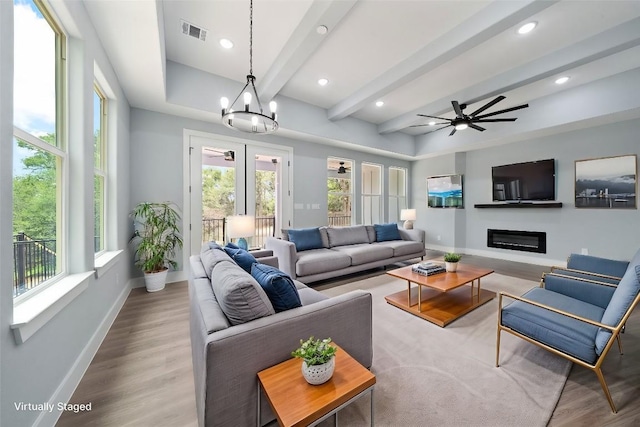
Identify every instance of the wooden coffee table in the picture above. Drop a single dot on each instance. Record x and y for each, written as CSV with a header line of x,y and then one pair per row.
x,y
297,403
446,297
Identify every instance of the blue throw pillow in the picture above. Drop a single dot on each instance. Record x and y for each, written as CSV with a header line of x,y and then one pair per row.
x,y
243,258
306,238
386,232
278,286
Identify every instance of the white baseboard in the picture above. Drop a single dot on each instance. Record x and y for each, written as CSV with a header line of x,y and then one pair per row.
x,y
70,382
503,255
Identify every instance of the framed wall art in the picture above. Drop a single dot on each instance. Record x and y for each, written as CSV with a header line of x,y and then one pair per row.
x,y
609,182
445,191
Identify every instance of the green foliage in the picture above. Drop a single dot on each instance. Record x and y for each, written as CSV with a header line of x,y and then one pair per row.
x,y
315,352
218,192
156,236
452,257
338,202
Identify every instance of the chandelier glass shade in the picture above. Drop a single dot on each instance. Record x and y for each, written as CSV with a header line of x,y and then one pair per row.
x,y
245,119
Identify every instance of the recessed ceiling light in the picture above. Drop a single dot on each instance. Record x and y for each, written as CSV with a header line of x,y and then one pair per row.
x,y
562,80
379,103
323,82
527,28
322,29
226,43
432,123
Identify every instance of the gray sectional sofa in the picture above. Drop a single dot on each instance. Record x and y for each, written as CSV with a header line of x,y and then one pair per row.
x,y
227,353
344,250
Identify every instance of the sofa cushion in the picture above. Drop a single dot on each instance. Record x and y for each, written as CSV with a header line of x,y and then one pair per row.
x,y
278,285
371,232
365,252
210,257
306,238
241,257
340,236
324,236
568,335
212,315
241,298
320,261
621,300
386,232
403,247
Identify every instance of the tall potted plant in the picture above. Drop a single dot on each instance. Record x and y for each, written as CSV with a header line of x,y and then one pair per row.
x,y
156,238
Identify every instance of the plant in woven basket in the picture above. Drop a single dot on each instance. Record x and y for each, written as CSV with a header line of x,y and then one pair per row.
x,y
315,352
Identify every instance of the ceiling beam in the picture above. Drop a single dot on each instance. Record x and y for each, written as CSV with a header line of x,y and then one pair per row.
x,y
607,43
489,22
303,43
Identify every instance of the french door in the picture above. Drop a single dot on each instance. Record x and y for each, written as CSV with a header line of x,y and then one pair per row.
x,y
231,177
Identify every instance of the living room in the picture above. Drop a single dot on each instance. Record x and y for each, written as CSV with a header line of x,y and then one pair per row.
x,y
593,116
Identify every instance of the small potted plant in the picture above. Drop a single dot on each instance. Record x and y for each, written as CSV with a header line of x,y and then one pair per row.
x,y
318,359
451,261
156,237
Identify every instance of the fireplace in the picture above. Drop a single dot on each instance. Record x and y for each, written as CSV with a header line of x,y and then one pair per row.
x,y
527,241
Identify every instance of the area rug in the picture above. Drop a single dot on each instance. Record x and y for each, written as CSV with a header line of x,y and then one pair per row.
x,y
432,376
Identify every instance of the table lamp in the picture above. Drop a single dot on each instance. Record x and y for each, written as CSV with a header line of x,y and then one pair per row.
x,y
408,216
239,227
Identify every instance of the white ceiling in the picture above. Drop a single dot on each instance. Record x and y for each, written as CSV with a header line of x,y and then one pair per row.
x,y
416,56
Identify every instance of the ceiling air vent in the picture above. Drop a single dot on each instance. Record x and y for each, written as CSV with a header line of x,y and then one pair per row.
x,y
193,31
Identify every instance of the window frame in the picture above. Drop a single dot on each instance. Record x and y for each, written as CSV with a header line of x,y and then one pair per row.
x,y
364,195
350,194
397,196
101,170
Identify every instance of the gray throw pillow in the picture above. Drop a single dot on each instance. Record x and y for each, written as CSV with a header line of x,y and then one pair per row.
x,y
340,236
241,298
210,257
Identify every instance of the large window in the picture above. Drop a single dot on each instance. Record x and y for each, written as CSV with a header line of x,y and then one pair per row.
x,y
39,149
340,192
371,193
397,192
100,168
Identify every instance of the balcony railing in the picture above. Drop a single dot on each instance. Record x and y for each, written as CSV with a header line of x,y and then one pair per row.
x,y
340,220
214,229
34,261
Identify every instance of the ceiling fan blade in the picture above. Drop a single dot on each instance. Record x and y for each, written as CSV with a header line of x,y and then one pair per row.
x,y
481,129
434,117
493,120
427,124
457,109
487,105
502,111
452,131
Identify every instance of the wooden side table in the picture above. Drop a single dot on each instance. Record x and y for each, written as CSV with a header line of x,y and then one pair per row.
x,y
297,403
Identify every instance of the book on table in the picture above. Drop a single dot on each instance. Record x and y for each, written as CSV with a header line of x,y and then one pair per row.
x,y
427,268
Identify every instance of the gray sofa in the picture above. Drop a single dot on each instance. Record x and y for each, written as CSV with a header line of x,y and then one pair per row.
x,y
228,355
345,250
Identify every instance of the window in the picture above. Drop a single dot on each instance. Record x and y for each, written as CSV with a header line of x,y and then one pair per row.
x,y
39,151
340,192
397,192
371,193
99,165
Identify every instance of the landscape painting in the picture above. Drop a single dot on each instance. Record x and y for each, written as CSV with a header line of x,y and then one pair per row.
x,y
444,191
609,182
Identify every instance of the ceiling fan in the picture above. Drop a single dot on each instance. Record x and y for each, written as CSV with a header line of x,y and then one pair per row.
x,y
463,121
342,168
228,155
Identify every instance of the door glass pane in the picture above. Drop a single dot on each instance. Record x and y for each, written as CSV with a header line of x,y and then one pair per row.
x,y
218,192
267,168
339,206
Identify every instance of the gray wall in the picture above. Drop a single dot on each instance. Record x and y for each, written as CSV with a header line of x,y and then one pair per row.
x,y
157,171
613,233
48,365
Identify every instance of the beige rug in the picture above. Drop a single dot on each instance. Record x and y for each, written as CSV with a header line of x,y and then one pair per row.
x,y
432,376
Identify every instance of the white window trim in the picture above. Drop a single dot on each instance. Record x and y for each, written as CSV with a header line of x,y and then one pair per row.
x,y
350,194
406,188
105,261
372,195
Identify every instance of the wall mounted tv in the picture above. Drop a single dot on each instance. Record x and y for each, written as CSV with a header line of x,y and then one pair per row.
x,y
526,181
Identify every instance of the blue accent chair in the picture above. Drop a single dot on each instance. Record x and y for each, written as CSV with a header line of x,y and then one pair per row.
x,y
577,316
594,268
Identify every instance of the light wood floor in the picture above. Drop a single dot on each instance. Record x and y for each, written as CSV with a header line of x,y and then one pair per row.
x,y
142,373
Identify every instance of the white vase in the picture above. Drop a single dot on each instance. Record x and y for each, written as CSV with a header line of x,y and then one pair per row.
x,y
318,374
155,281
451,267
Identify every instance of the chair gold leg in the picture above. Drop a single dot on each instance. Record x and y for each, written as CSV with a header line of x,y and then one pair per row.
x,y
498,349
620,344
598,372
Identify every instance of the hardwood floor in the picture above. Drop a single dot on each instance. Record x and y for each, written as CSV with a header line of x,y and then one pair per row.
x,y
142,373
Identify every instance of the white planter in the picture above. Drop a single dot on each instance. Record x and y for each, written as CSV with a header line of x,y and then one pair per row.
x,y
318,374
155,281
451,267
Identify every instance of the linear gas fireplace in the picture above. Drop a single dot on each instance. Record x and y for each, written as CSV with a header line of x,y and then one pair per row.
x,y
527,241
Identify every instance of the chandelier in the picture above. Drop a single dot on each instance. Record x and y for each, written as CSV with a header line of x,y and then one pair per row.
x,y
245,119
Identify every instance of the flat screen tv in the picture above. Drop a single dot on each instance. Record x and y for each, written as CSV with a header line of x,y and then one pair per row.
x,y
528,181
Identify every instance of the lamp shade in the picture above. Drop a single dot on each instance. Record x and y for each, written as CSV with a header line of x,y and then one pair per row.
x,y
408,214
241,226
